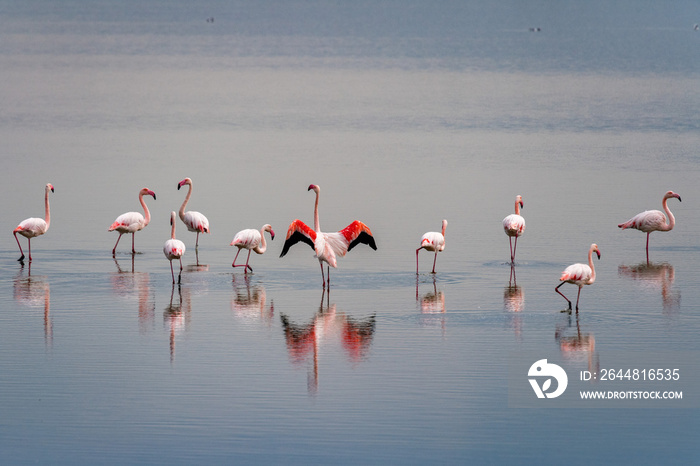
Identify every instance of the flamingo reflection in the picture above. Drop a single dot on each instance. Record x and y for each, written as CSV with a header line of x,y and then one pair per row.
x,y
250,303
655,277
130,284
576,345
305,340
35,292
514,302
177,315
431,306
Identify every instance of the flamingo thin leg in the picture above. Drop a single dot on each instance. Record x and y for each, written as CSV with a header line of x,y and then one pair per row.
x,y
512,255
246,263
21,259
417,260
115,244
133,236
567,299
578,296
434,261
179,275
171,271
234,259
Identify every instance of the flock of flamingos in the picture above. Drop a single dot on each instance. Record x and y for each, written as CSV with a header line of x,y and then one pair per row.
x,y
328,246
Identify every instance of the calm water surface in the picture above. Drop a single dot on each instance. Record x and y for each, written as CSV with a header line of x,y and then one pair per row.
x,y
404,115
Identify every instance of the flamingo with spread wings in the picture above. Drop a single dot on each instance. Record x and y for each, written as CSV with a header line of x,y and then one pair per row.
x,y
328,246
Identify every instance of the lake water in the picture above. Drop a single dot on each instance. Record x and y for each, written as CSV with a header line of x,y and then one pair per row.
x,y
404,113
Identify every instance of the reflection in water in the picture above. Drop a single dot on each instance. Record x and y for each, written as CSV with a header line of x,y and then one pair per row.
x,y
514,303
655,277
250,302
576,346
432,306
35,292
327,324
177,315
127,284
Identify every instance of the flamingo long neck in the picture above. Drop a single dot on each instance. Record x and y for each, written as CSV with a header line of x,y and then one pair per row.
x,y
517,207
444,226
184,203
146,213
48,211
590,264
317,225
262,247
671,219
172,228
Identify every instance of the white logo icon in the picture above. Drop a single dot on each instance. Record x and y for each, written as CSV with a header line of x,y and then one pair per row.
x,y
543,369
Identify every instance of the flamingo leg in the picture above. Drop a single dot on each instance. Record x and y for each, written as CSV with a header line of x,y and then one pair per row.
x,y
648,246
578,296
417,260
29,242
512,255
246,263
133,236
179,275
234,259
434,261
115,244
196,244
515,247
21,259
323,277
171,270
562,294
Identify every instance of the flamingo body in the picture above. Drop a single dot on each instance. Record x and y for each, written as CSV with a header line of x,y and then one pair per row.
x,y
33,226
194,221
653,220
131,222
579,274
252,240
174,248
432,241
514,226
327,246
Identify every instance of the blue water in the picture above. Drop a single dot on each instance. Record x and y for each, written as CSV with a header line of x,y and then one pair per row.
x,y
404,113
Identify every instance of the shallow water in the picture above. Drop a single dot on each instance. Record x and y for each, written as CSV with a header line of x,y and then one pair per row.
x,y
103,359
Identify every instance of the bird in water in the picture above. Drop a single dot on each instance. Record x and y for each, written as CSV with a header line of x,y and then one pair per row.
x,y
174,248
514,226
328,246
579,275
252,240
432,241
194,221
33,227
131,222
653,220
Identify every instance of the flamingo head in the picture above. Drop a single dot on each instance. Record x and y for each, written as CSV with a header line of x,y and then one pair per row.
x,y
594,248
146,191
444,226
49,186
172,217
184,182
671,194
519,200
268,228
315,188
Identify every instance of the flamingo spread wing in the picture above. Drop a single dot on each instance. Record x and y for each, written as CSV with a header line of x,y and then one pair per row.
x,y
358,233
298,231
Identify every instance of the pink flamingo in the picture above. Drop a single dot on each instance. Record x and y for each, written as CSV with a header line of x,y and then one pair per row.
x,y
327,245
579,275
194,221
252,240
131,222
432,241
174,248
33,227
653,220
514,226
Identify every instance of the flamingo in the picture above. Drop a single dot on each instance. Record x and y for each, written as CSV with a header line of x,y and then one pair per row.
x,y
194,221
579,274
653,220
327,245
32,227
174,248
131,222
514,226
432,241
252,240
